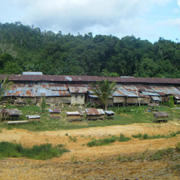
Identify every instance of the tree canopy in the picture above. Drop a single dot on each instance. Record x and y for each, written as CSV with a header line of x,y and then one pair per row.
x,y
25,48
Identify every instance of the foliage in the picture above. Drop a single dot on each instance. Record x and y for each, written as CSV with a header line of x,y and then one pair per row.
x,y
101,142
103,90
171,101
43,104
25,48
43,152
146,136
4,85
107,140
123,138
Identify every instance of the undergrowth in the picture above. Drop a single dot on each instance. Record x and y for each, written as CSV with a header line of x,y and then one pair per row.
x,y
42,152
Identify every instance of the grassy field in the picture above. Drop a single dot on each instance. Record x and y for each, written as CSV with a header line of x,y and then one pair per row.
x,y
123,116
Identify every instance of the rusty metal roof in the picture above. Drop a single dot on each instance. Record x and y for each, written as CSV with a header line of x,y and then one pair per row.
x,y
58,90
161,114
134,91
92,112
36,91
128,91
81,90
88,79
11,112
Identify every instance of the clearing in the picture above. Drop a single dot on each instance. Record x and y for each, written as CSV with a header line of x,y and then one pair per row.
x,y
100,162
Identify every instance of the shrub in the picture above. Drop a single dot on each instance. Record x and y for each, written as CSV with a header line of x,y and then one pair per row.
x,y
122,138
139,135
101,142
178,147
145,136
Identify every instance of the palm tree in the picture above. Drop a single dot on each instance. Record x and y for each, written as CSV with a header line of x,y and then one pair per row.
x,y
4,85
103,90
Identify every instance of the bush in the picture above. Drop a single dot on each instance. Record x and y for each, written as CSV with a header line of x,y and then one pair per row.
x,y
122,138
145,136
178,147
139,135
107,141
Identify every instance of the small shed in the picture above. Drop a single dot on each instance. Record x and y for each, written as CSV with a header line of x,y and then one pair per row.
x,y
74,116
54,113
161,116
93,114
33,117
9,114
109,114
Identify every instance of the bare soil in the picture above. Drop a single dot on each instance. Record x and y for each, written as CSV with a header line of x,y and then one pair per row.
x,y
83,162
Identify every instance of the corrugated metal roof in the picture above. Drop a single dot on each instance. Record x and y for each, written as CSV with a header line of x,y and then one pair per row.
x,y
81,90
54,110
73,113
32,73
161,114
33,116
93,96
149,94
92,112
11,112
156,98
128,91
63,78
101,111
36,91
58,90
109,112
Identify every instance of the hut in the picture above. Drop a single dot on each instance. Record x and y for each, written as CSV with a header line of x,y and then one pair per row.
x,y
161,116
74,116
9,114
33,117
93,114
54,113
109,114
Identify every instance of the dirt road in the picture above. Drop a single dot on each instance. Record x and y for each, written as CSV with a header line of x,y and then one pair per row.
x,y
82,161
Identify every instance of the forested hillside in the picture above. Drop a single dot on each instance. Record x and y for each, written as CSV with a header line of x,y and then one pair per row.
x,y
25,48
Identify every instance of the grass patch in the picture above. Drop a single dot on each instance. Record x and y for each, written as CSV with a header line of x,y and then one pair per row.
x,y
169,153
107,141
101,142
42,152
146,136
123,116
73,139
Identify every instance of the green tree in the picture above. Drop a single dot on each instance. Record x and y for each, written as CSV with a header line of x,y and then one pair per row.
x,y
103,90
4,85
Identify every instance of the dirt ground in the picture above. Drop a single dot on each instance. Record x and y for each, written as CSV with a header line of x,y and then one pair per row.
x,y
83,162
